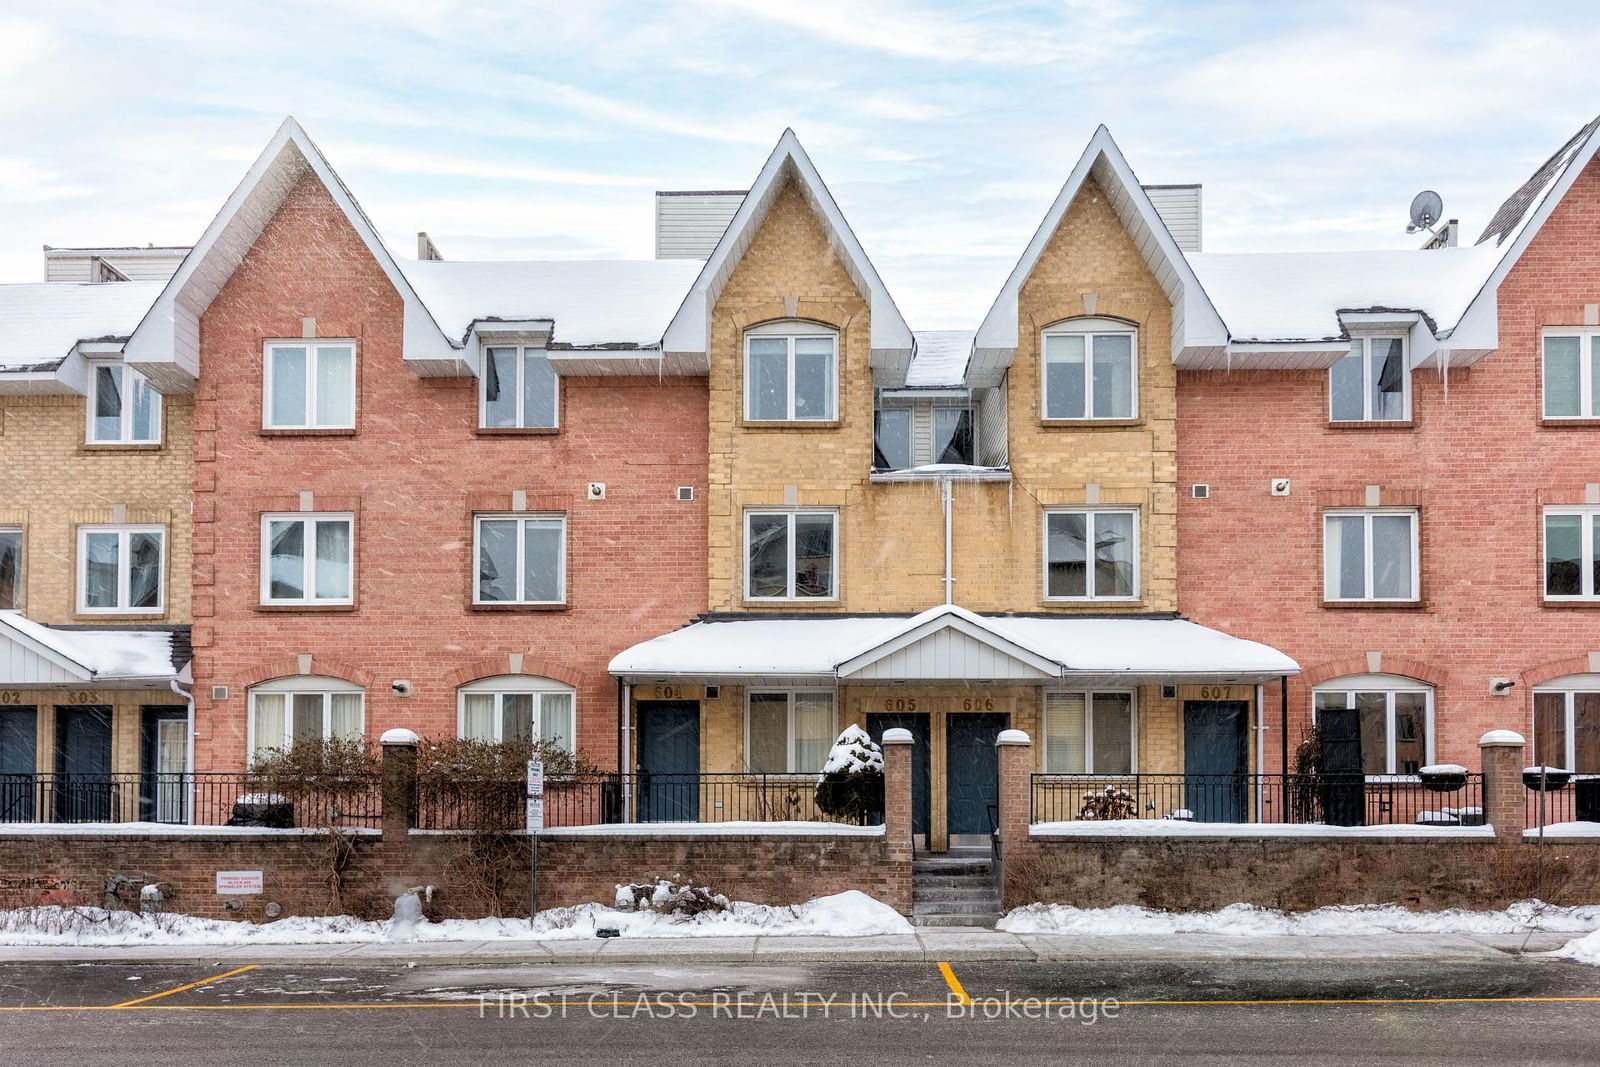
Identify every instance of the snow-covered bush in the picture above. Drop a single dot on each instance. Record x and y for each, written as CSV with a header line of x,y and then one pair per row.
x,y
850,786
667,897
1109,803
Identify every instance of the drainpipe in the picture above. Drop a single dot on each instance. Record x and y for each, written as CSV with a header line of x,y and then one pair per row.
x,y
625,743
1261,749
1283,738
188,755
949,576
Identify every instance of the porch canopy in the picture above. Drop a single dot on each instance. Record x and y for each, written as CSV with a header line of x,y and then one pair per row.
x,y
949,643
34,654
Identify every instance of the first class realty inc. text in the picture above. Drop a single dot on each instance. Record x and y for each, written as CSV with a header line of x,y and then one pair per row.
x,y
759,1007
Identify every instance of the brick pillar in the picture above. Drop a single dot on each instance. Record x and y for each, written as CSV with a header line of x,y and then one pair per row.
x,y
1015,752
399,784
1503,791
897,814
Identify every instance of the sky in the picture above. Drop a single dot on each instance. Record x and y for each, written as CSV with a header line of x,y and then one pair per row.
x,y
535,130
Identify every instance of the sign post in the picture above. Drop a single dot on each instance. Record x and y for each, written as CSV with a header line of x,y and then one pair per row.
x,y
535,824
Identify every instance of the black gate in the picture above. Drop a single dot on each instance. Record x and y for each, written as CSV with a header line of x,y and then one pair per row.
x,y
1344,785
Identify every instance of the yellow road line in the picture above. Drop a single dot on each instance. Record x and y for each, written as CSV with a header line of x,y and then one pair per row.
x,y
184,988
954,983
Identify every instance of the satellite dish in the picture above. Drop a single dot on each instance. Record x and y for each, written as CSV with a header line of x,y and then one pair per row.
x,y
1426,210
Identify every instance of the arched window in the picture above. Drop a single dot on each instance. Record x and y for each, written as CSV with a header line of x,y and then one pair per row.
x,y
518,707
791,372
1566,723
285,711
1394,717
1090,370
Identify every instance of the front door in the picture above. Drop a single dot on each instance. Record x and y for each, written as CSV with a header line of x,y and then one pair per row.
x,y
1215,759
83,763
163,758
669,761
18,749
917,723
972,774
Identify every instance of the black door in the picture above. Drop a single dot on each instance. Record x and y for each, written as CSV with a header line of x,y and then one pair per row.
x,y
83,764
1344,784
163,754
669,761
917,723
18,749
1215,759
972,772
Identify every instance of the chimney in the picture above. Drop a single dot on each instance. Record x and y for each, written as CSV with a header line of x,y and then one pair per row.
x,y
1179,208
690,223
426,249
1445,236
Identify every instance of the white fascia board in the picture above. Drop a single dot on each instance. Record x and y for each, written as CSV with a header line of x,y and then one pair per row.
x,y
1379,321
1202,326
689,330
948,618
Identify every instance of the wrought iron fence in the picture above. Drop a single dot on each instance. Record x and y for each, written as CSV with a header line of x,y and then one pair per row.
x,y
1576,801
206,798
1339,800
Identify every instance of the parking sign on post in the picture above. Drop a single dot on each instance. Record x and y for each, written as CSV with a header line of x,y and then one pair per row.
x,y
535,824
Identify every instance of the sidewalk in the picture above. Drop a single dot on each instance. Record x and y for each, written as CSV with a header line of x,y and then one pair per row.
x,y
923,946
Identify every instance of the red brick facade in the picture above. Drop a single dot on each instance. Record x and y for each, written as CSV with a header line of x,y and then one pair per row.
x,y
413,472
1476,461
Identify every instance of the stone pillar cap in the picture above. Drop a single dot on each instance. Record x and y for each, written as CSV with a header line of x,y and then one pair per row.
x,y
1013,737
1495,738
898,735
398,736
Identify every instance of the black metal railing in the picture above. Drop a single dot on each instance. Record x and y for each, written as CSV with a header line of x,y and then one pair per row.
x,y
1576,801
206,798
1339,800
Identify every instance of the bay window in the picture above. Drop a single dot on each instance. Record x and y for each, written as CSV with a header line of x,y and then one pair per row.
x,y
1572,554
790,730
123,408
307,559
1395,718
518,389
1372,383
518,708
791,373
1089,368
1566,724
289,711
521,559
1091,554
121,569
791,555
1089,733
1370,555
310,385
1572,373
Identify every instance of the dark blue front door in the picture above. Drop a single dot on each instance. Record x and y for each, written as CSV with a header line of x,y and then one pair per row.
x,y
83,764
18,746
917,723
972,772
1215,747
669,761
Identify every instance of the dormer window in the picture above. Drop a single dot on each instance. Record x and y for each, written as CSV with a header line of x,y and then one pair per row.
x,y
518,389
123,408
1090,371
791,373
1372,383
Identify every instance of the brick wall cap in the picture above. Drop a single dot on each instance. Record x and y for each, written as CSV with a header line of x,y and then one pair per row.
x,y
897,735
1013,737
1499,738
398,736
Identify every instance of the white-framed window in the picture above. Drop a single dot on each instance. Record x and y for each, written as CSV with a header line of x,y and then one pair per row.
x,y
309,385
1090,370
791,555
955,437
121,569
1372,383
123,407
1091,554
891,439
1566,724
789,730
10,568
1572,553
1571,373
1370,555
308,558
304,708
791,373
518,708
521,559
1395,715
518,389
1090,733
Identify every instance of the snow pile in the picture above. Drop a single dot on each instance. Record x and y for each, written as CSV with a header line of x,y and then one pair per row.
x,y
1443,768
848,914
1584,949
1248,920
854,753
1088,826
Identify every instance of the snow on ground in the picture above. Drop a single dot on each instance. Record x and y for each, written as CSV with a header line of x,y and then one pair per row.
x,y
1584,949
1183,828
1566,829
848,914
1248,920
715,829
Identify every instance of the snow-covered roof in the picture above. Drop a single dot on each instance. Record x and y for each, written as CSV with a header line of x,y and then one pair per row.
x,y
940,359
41,323
49,653
592,303
1297,296
1054,646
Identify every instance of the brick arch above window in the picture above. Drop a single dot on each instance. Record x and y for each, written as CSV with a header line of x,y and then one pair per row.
x,y
289,667
1108,308
1391,665
532,665
1550,670
800,311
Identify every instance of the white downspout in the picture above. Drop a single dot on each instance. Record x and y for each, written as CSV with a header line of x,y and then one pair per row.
x,y
949,575
1261,749
188,755
627,752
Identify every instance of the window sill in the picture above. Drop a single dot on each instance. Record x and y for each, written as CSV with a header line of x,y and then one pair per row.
x,y
1569,424
790,424
1093,603
1593,602
156,615
1376,605
307,431
305,609
1089,424
1398,425
517,431
938,472
797,604
121,446
519,608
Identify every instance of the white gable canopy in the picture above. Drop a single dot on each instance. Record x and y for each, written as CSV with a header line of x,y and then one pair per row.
x,y
34,654
688,335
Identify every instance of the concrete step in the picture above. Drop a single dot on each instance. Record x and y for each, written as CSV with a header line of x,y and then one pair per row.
x,y
951,866
982,921
954,907
974,892
951,881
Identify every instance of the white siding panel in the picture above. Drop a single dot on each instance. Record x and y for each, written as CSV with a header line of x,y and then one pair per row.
x,y
689,225
25,667
1179,208
947,654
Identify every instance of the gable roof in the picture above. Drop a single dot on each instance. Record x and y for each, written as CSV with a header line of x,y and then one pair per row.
x,y
1195,322
165,345
690,329
955,643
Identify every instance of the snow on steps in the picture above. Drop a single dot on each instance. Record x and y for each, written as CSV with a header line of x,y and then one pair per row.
x,y
955,889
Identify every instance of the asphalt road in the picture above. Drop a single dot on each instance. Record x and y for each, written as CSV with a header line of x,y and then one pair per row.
x,y
1335,1012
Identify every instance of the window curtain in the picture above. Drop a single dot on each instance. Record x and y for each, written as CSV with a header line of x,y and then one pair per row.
x,y
269,722
556,726
1065,733
477,716
1113,733
344,720
768,733
813,730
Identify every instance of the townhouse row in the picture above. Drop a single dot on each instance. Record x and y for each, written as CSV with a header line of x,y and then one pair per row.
x,y
1164,509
